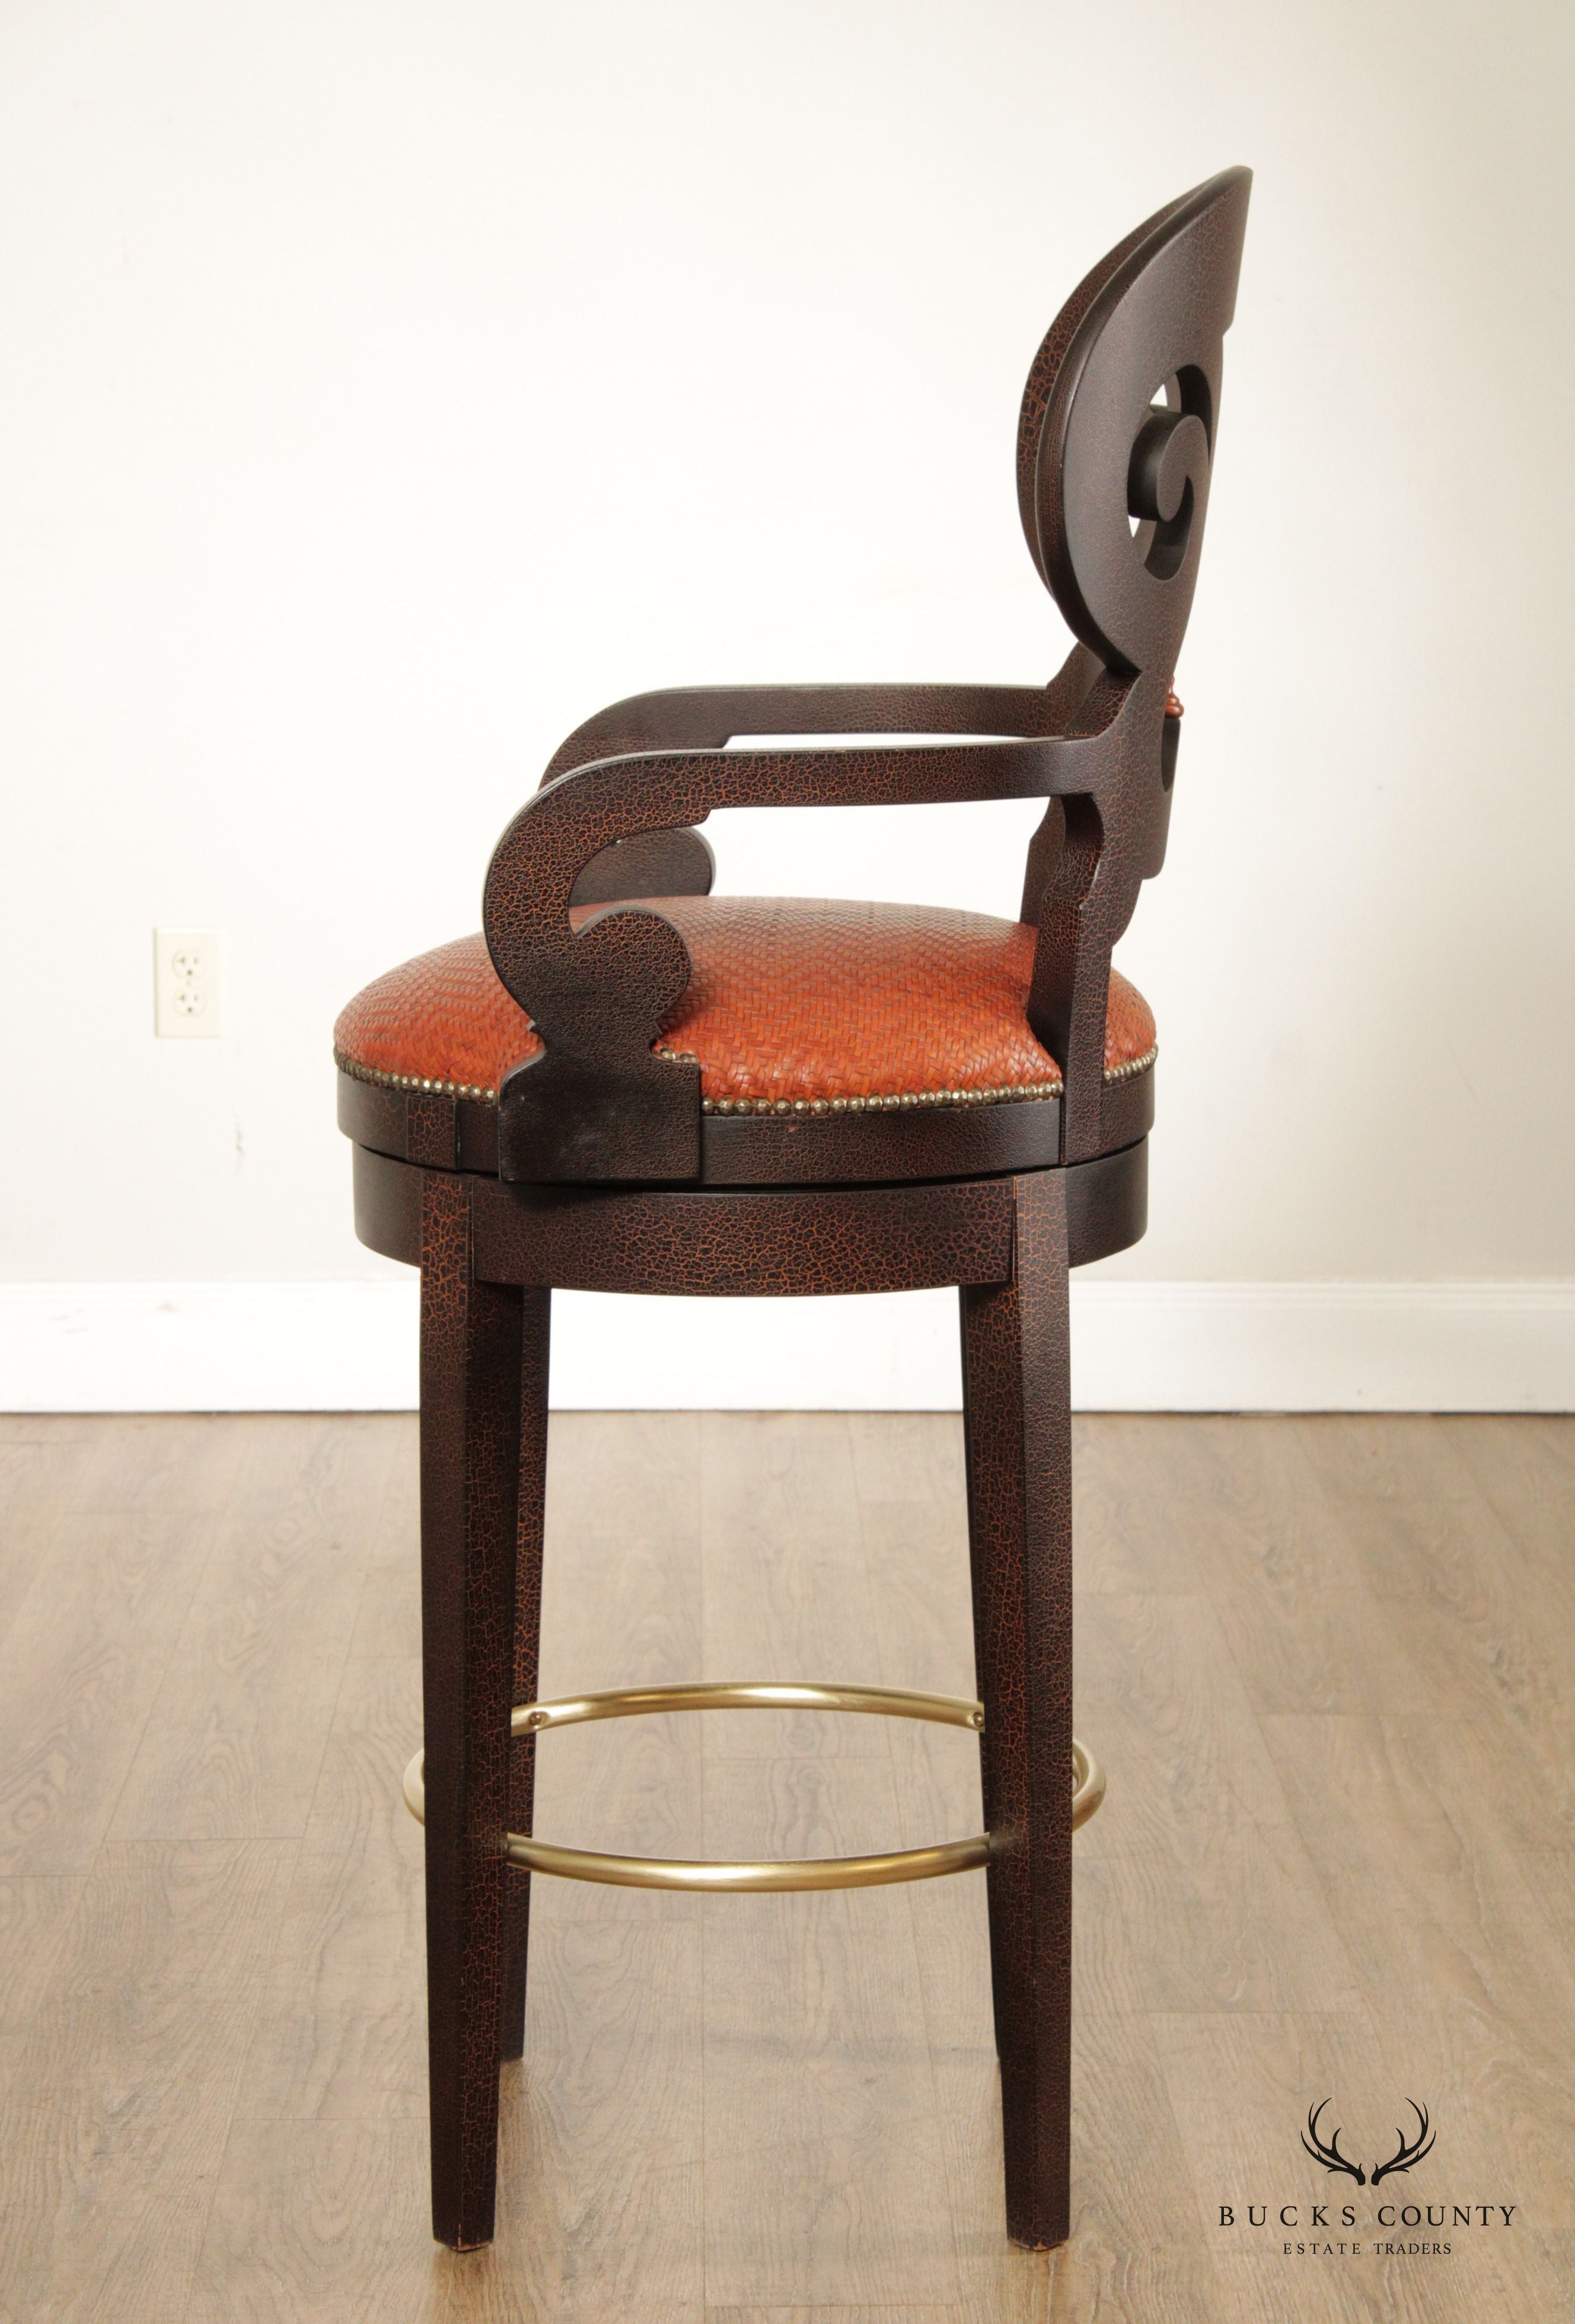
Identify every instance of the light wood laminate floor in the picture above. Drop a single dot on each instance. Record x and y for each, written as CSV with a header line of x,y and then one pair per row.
x,y
1327,1663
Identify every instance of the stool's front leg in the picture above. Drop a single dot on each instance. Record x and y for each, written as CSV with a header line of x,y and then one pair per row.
x,y
1016,1402
537,1319
470,1445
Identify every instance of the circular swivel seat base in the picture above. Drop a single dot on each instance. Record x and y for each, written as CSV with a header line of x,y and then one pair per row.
x,y
766,1877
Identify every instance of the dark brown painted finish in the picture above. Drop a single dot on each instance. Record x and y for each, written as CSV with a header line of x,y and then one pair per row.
x,y
1017,1423
598,1170
536,1316
470,1450
963,1141
765,1243
655,863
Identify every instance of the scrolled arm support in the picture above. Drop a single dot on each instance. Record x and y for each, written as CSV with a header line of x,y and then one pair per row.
x,y
679,862
597,1104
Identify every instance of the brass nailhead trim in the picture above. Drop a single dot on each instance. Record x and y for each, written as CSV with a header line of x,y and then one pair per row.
x,y
905,1101
412,1082
1007,1093
1134,1066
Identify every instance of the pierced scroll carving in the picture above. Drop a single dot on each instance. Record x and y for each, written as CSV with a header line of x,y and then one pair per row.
x,y
1152,321
1114,451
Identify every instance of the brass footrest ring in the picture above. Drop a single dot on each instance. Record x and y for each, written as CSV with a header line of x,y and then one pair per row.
x,y
762,1879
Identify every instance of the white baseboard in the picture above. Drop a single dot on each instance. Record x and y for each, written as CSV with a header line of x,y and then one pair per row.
x,y
1137,1347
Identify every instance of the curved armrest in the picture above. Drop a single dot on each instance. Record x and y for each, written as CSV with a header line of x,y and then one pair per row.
x,y
706,718
573,817
596,1102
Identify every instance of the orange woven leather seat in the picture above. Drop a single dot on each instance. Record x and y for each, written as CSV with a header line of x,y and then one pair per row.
x,y
791,1005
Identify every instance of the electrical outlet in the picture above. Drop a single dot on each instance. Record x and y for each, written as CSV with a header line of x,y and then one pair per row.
x,y
188,989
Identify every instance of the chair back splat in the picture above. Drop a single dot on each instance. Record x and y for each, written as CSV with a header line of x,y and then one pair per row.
x,y
1115,447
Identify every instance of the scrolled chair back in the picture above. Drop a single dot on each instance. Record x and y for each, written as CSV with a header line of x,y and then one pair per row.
x,y
1116,437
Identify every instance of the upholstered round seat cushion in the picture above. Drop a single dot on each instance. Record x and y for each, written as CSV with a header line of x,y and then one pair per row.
x,y
791,1003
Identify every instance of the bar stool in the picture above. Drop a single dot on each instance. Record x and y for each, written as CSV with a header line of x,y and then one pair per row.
x,y
627,1083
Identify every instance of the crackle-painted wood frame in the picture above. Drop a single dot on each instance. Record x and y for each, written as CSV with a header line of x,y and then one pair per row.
x,y
597,1168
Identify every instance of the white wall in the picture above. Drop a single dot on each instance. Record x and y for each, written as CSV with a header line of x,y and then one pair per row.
x,y
387,386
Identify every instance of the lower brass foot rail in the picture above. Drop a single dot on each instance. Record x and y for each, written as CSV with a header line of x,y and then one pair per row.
x,y
765,1878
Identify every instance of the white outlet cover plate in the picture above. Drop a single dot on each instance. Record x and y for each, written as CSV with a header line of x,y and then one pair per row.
x,y
188,985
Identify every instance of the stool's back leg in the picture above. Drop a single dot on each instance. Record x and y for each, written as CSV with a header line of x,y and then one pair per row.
x,y
537,1321
469,1423
1016,1403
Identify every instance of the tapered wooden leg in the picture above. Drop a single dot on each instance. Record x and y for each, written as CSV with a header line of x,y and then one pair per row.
x,y
1016,1402
470,1429
537,1322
